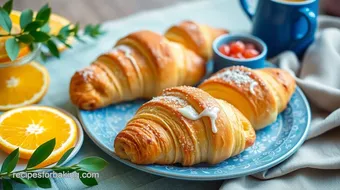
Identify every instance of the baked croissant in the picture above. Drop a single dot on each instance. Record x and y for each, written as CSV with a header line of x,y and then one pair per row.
x,y
141,65
168,130
259,94
197,37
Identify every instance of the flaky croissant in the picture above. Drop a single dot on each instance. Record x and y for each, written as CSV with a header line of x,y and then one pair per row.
x,y
141,65
169,129
197,37
259,94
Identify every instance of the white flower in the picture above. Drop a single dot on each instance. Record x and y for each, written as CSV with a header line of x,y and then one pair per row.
x,y
268,138
114,119
257,148
240,158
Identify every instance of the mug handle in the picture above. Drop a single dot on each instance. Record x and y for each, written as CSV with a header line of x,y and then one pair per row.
x,y
310,16
246,9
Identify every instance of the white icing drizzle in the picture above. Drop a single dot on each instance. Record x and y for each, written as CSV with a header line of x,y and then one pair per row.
x,y
211,112
239,77
252,86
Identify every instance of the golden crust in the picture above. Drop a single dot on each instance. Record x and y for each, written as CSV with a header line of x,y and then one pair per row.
x,y
259,94
152,64
197,37
160,134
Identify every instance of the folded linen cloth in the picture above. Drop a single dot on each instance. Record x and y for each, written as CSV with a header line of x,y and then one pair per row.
x,y
316,165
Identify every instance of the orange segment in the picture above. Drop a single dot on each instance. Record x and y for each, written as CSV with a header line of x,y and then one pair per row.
x,y
22,85
29,127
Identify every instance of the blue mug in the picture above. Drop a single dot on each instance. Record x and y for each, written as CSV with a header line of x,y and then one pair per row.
x,y
284,25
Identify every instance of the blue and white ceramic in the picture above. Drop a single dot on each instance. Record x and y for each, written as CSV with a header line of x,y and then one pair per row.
x,y
273,145
284,25
221,61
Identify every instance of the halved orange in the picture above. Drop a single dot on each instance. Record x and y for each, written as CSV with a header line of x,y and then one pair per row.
x,y
56,22
29,127
24,49
22,85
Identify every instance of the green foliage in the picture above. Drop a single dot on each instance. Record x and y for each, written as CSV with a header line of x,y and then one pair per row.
x,y
90,164
36,30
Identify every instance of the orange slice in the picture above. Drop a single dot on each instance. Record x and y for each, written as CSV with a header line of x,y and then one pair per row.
x,y
56,22
24,49
29,127
22,85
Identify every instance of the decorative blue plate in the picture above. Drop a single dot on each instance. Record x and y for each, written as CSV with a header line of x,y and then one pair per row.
x,y
273,145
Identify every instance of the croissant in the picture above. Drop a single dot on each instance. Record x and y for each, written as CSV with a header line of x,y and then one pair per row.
x,y
140,65
197,37
168,130
259,94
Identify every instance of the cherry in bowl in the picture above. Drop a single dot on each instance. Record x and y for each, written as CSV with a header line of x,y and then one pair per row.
x,y
239,49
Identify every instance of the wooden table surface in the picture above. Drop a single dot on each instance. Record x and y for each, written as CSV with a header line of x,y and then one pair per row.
x,y
94,11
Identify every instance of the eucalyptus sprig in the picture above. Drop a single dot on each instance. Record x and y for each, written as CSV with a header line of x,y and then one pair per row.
x,y
35,29
7,173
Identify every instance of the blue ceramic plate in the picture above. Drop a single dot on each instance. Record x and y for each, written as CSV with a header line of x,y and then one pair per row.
x,y
273,145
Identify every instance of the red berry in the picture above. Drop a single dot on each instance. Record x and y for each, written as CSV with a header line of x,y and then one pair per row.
x,y
237,47
237,56
250,53
250,46
224,49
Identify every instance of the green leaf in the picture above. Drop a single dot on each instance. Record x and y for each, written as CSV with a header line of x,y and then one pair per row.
x,y
10,162
46,28
33,26
65,170
40,36
65,156
53,48
26,17
12,48
93,164
43,182
29,182
87,181
80,40
26,38
44,14
6,184
41,153
18,180
88,29
75,29
8,6
64,31
5,20
43,56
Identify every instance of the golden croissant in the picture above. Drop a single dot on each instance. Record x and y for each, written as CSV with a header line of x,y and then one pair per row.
x,y
197,37
184,125
140,65
259,94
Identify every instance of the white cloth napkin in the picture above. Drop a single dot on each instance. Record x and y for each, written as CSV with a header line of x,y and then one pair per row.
x,y
316,165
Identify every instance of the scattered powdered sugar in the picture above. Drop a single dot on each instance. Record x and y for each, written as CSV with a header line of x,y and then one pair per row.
x,y
239,77
192,26
171,100
86,74
128,53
